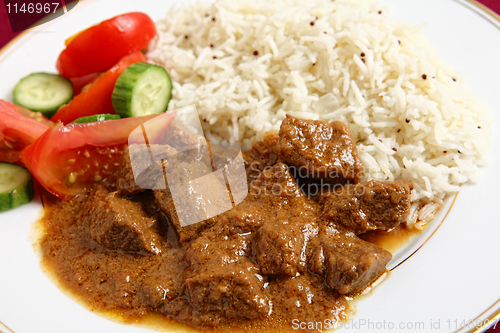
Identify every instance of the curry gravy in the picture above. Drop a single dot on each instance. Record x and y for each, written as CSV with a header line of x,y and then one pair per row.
x,y
59,236
272,260
56,210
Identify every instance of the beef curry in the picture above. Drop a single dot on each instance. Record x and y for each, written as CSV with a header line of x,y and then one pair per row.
x,y
281,254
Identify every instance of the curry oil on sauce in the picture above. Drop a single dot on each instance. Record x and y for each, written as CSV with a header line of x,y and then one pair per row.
x,y
156,321
391,240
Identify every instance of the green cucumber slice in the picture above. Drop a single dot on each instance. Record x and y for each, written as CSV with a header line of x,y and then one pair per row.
x,y
142,89
43,92
16,186
96,117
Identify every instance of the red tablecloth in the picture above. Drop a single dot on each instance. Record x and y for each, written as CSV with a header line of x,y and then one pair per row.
x,y
6,35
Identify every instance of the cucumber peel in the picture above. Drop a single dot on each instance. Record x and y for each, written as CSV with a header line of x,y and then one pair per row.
x,y
16,186
142,89
96,117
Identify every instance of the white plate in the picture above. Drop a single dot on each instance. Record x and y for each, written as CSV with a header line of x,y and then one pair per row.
x,y
452,279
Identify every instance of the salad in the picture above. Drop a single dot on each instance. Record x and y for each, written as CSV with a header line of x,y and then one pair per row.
x,y
53,126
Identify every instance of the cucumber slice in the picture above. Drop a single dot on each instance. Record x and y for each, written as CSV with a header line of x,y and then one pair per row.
x,y
142,89
43,92
96,117
16,186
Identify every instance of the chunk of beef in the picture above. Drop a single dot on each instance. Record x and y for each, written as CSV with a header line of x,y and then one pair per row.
x,y
280,246
147,200
244,218
194,195
217,247
119,224
263,155
348,263
233,290
162,284
276,189
369,206
157,291
147,161
221,280
319,150
280,243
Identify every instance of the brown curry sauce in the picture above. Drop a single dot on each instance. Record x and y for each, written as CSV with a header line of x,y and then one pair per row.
x,y
162,288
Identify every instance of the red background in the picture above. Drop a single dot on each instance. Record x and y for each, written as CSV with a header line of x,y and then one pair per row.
x,y
5,29
6,35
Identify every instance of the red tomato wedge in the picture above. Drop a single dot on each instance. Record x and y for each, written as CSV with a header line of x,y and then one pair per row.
x,y
18,129
99,47
68,160
81,82
38,116
97,98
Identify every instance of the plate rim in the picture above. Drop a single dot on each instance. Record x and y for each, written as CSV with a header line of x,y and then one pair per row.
x,y
494,19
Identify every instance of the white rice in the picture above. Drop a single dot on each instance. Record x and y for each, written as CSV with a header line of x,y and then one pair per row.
x,y
431,131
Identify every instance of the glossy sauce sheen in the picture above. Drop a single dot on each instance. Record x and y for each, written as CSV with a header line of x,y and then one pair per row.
x,y
269,261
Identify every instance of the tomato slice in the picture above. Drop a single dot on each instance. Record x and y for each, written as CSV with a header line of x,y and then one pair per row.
x,y
97,98
68,160
18,129
99,47
81,82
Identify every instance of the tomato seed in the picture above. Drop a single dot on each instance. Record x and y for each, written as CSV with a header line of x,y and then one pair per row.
x,y
72,178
